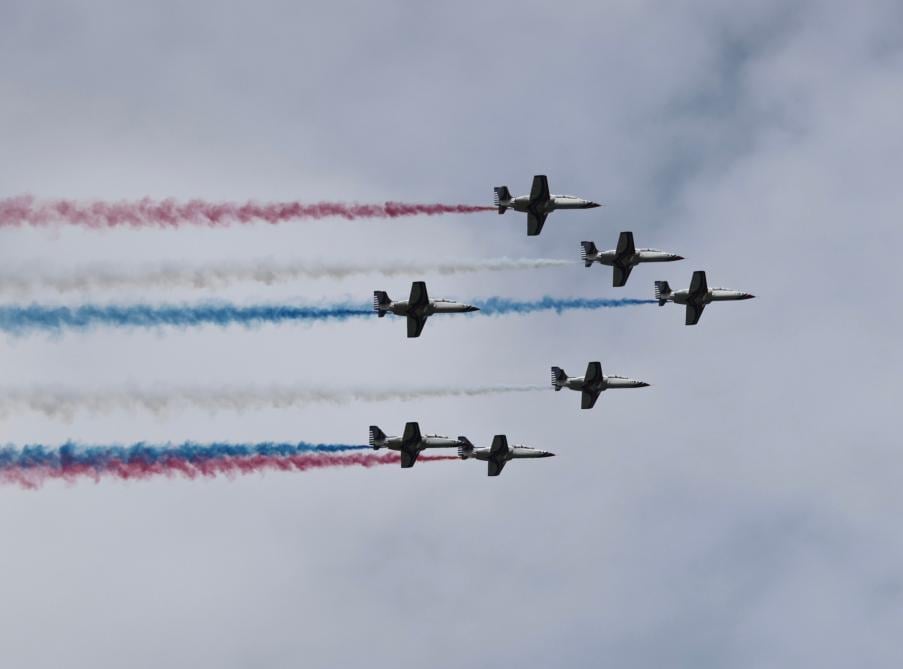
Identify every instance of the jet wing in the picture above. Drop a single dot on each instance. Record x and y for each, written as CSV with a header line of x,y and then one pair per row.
x,y
419,297
539,192
694,312
499,446
535,223
415,325
593,374
408,458
619,277
588,399
625,245
411,436
410,443
698,285
498,454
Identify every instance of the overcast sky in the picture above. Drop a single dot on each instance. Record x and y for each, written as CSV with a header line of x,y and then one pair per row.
x,y
743,511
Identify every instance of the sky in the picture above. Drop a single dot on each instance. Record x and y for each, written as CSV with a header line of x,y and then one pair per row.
x,y
742,511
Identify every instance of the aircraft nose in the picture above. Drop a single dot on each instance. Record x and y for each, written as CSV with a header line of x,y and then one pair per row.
x,y
472,308
592,205
748,296
643,384
677,257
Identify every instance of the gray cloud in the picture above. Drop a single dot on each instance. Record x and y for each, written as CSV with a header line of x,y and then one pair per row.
x,y
740,511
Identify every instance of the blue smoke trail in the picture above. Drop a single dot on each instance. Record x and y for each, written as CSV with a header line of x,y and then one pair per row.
x,y
21,319
16,320
498,306
72,454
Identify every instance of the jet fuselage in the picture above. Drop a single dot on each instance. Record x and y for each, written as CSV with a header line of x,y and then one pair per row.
x,y
610,258
426,441
578,383
522,203
403,308
712,295
514,451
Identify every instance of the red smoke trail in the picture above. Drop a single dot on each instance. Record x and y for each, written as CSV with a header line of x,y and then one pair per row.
x,y
139,470
26,210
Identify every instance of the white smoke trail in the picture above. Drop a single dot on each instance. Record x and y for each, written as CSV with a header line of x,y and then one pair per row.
x,y
65,404
89,279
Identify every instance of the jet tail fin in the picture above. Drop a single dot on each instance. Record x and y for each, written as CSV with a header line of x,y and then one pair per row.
x,y
465,448
559,378
502,194
662,292
588,252
381,302
377,437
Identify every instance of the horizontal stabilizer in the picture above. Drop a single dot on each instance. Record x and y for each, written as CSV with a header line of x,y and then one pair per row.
x,y
381,302
588,252
662,292
559,378
502,195
377,436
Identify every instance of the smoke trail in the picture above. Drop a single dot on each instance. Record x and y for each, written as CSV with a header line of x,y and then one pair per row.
x,y
18,320
499,306
26,210
21,319
263,272
31,466
64,404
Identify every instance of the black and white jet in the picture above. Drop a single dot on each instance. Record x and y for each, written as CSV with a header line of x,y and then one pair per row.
x,y
623,258
592,384
539,203
410,443
498,453
696,296
417,308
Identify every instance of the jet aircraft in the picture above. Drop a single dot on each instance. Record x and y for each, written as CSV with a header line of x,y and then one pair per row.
x,y
417,308
410,443
539,203
696,296
498,453
593,383
623,258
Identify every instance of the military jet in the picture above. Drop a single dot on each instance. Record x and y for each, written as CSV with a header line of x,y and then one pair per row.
x,y
592,383
410,443
696,296
498,453
539,203
417,308
623,258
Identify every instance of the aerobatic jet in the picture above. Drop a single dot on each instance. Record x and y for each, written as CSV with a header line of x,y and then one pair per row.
x,y
410,443
417,308
623,258
696,296
539,203
498,453
593,383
